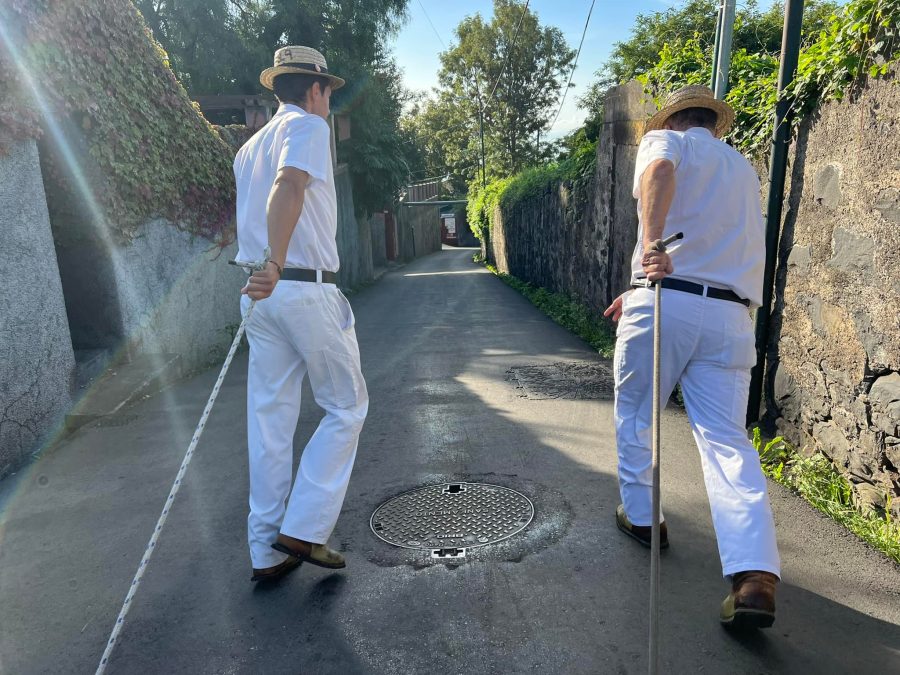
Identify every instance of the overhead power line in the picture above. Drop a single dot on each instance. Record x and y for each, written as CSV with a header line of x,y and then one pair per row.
x,y
574,65
432,25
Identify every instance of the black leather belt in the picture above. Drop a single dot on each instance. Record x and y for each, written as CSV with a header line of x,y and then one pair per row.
x,y
696,289
299,274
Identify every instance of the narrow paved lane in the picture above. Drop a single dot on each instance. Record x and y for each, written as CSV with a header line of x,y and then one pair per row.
x,y
569,595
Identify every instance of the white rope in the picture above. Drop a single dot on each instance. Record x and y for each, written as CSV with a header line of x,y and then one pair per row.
x,y
176,486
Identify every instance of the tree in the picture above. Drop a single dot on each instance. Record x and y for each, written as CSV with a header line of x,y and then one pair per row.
x,y
221,46
205,48
755,31
511,68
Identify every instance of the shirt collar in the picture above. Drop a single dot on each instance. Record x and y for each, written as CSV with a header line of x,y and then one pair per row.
x,y
699,130
290,107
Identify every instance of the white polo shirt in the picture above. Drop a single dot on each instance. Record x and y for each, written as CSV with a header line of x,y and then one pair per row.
x,y
299,139
716,205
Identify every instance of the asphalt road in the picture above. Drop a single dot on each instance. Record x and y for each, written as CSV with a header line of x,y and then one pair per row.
x,y
568,595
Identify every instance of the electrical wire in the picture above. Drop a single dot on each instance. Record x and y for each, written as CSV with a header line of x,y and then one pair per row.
x,y
574,66
508,54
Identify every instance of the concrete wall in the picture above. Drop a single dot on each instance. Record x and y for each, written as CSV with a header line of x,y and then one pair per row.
x,y
77,289
379,250
834,374
36,358
418,231
354,236
177,294
579,239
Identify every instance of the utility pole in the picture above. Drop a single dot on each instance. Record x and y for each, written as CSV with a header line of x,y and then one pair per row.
x,y
481,127
790,55
723,48
715,57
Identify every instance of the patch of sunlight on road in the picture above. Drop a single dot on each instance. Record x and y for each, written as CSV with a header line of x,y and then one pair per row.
x,y
570,436
441,274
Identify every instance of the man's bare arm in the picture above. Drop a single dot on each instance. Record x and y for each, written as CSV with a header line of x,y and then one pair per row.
x,y
282,213
657,192
283,210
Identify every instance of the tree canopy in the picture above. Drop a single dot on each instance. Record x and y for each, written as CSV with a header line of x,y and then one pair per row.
x,y
221,46
510,69
755,31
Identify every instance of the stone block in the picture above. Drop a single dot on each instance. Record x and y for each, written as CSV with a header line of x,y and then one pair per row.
x,y
892,450
865,460
827,185
888,204
833,443
872,339
851,252
869,497
885,400
799,258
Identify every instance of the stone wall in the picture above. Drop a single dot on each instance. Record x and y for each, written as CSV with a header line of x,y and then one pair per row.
x,y
833,381
575,239
834,360
36,357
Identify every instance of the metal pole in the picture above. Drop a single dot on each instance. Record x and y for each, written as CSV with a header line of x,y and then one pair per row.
x,y
790,54
481,127
658,245
715,56
654,530
724,56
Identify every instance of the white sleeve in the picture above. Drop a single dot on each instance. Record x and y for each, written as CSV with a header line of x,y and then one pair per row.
x,y
307,146
655,145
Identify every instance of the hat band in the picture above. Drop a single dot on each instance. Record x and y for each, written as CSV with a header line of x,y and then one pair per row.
x,y
306,66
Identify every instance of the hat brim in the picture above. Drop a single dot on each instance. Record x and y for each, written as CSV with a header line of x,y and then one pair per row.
x,y
724,113
267,77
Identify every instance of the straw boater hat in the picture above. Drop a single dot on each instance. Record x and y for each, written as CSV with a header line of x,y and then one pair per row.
x,y
303,60
693,96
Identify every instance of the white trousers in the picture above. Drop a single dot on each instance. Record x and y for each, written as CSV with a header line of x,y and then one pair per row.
x,y
301,329
708,346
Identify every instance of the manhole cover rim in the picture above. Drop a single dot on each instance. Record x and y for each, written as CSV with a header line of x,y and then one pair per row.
x,y
446,484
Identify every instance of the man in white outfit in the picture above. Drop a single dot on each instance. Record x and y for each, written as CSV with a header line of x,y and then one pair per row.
x,y
687,180
302,324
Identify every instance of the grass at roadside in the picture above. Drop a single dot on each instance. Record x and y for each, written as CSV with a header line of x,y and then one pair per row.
x,y
815,479
587,324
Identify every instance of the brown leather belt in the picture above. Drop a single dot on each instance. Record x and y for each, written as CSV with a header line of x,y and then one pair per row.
x,y
299,274
695,289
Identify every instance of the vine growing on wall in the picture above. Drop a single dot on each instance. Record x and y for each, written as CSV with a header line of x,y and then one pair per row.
x,y
863,40
92,72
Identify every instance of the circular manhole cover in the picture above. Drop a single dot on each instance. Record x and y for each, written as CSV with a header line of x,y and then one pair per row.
x,y
463,515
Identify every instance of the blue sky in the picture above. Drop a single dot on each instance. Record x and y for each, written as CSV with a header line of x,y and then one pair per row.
x,y
416,46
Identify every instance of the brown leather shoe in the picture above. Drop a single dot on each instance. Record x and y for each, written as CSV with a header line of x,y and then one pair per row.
x,y
751,603
640,533
277,571
315,554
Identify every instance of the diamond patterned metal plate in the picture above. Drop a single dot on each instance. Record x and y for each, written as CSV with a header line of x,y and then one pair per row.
x,y
463,515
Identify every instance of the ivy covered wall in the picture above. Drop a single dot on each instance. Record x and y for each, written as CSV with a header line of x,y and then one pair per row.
x,y
118,128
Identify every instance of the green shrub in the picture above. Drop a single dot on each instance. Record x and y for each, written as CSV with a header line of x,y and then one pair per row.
x,y
507,193
815,479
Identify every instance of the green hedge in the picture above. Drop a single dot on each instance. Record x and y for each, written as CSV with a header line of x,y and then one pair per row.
x,y
92,70
509,192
